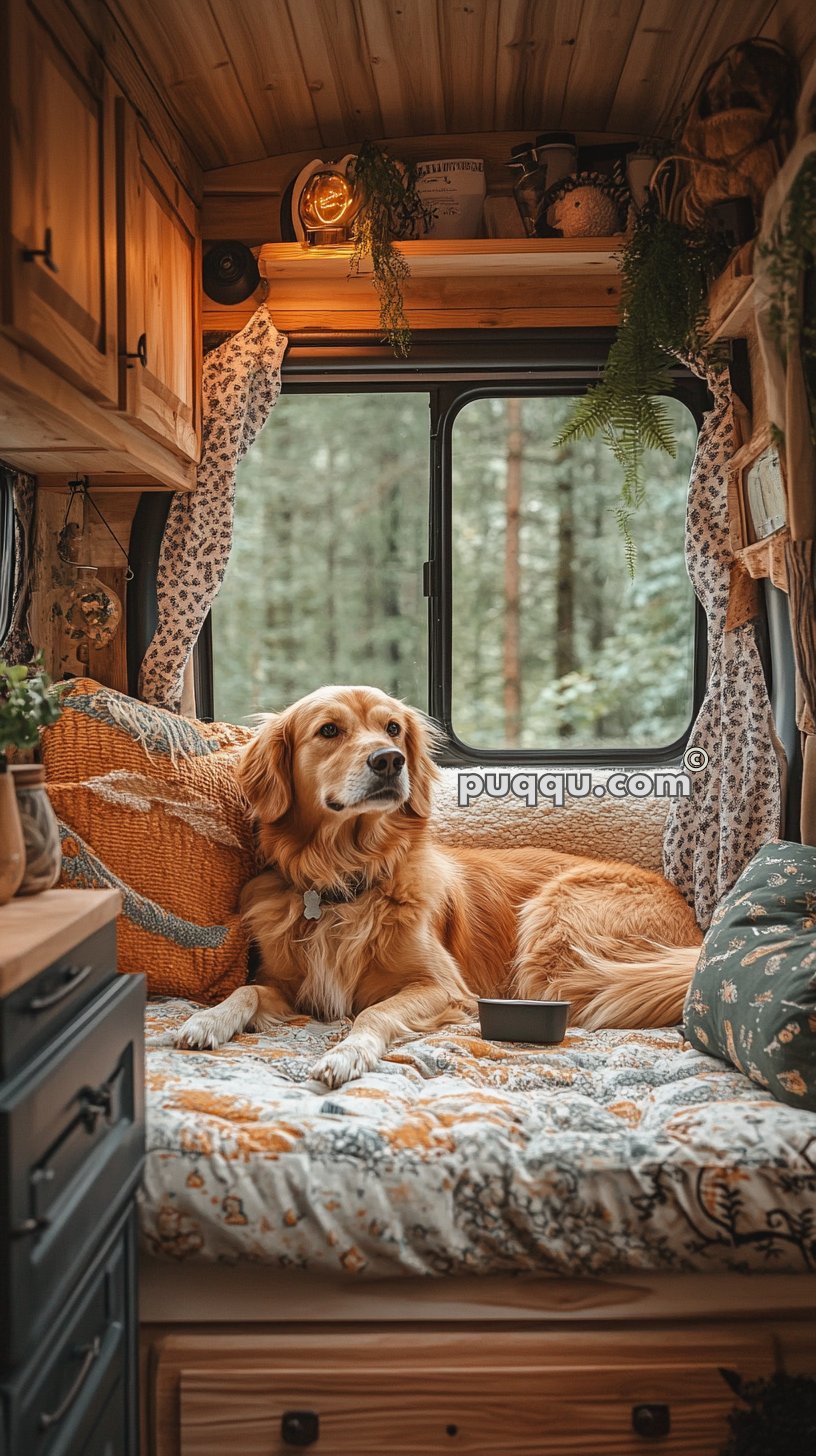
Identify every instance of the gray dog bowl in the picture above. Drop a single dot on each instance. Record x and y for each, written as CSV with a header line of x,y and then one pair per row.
x,y
544,1022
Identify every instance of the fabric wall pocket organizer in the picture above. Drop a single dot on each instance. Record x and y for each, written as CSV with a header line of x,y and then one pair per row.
x,y
757,497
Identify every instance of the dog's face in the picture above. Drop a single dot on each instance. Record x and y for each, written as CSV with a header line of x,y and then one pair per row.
x,y
338,753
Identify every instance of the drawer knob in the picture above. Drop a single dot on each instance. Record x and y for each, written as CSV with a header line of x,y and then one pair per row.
x,y
652,1420
30,1226
300,1428
96,1102
29,254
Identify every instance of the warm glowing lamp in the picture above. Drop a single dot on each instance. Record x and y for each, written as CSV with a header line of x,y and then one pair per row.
x,y
328,206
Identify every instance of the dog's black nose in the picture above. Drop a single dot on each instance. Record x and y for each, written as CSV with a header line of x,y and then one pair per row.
x,y
386,761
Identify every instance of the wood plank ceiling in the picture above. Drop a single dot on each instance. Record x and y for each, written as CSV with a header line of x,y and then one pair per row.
x,y
247,79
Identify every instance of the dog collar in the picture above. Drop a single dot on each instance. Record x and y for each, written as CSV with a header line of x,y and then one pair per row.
x,y
341,895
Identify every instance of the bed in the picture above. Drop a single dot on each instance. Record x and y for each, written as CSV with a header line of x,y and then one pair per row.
x,y
476,1248
473,1247
614,1151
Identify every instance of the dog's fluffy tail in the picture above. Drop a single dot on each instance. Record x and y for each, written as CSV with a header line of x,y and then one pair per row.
x,y
647,989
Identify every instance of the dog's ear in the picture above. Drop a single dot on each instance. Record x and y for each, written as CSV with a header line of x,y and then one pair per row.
x,y
264,770
420,738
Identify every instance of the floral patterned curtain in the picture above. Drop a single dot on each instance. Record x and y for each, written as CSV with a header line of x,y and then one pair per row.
x,y
241,385
735,801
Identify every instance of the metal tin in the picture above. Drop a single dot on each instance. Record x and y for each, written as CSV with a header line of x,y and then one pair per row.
x,y
543,1022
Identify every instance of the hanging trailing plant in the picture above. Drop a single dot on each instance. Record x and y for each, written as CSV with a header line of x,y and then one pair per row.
x,y
790,252
391,209
666,270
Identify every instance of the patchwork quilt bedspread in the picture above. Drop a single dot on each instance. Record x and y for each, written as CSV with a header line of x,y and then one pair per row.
x,y
616,1150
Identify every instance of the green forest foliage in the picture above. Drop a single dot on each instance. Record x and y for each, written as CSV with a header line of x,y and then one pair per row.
x,y
325,580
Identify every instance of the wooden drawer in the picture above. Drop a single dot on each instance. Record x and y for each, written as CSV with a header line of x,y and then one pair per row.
x,y
37,1011
414,1392
52,1406
71,1150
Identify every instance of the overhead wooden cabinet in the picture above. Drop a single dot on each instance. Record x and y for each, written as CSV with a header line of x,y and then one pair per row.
x,y
59,254
159,326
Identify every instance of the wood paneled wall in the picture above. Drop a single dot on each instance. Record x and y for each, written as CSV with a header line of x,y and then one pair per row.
x,y
53,579
246,79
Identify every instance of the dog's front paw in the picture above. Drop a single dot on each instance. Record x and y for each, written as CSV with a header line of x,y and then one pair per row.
x,y
345,1062
204,1029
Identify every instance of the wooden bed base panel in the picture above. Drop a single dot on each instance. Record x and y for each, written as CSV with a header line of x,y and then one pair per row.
x,y
509,1367
249,1293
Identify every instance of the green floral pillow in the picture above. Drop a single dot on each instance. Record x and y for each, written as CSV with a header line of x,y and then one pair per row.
x,y
752,1000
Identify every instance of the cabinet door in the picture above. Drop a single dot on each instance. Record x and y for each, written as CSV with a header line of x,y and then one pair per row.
x,y
58,295
160,336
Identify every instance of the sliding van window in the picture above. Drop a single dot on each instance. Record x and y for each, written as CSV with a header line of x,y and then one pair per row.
x,y
415,527
553,642
324,583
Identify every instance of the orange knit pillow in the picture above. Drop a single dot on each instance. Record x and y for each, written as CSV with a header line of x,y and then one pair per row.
x,y
148,803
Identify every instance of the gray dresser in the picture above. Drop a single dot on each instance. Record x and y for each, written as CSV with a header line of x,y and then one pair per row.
x,y
71,1153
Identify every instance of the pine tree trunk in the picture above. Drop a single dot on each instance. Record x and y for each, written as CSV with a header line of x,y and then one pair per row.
x,y
565,589
390,502
331,575
512,516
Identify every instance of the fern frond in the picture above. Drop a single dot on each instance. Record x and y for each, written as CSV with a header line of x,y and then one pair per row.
x,y
666,270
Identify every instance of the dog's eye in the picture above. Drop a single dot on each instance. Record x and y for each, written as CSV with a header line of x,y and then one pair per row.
x,y
329,730
393,729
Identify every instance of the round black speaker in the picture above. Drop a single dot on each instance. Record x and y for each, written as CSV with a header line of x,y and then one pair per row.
x,y
230,273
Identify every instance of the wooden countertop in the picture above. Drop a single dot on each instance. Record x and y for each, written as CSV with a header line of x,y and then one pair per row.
x,y
36,929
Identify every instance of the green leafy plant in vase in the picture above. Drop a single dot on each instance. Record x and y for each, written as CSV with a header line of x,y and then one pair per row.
x,y
391,209
666,272
29,835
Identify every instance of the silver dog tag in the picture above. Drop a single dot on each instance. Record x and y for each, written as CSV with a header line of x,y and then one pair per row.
x,y
311,905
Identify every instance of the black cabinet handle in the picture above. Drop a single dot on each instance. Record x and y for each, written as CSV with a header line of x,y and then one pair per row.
x,y
651,1420
300,1427
91,1354
29,254
140,352
74,977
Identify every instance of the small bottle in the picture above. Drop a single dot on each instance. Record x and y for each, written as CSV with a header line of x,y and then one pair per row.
x,y
557,155
527,186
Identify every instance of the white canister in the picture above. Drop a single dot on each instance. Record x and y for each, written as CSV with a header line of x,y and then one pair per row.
x,y
640,168
456,190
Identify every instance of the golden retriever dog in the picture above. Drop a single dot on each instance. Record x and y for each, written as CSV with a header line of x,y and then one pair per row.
x,y
361,914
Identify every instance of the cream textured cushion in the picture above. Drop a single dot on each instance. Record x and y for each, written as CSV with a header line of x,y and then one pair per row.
x,y
628,829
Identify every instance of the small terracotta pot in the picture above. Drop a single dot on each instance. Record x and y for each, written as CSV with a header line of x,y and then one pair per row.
x,y
12,845
43,852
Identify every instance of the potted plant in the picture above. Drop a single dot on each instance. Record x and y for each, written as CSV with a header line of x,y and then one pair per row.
x,y
666,271
30,853
391,208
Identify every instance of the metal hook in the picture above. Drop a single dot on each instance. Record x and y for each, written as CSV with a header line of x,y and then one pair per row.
x,y
80,487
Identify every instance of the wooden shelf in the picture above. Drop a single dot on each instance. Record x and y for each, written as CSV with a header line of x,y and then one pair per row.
x,y
730,299
440,257
479,283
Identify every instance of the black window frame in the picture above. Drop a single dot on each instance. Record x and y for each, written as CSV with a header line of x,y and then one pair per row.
x,y
453,368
